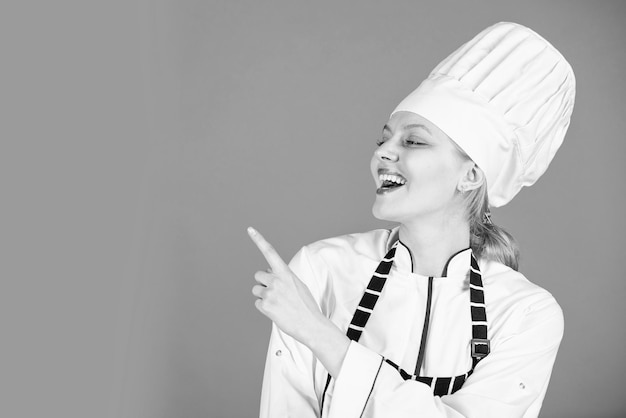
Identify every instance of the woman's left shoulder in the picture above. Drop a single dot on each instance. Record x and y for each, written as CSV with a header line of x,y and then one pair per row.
x,y
511,290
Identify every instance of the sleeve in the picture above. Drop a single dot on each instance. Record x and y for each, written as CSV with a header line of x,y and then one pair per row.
x,y
289,378
510,382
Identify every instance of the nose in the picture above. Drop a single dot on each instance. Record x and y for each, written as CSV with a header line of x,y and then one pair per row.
x,y
385,152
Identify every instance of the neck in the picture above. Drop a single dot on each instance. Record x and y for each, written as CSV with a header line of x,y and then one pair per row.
x,y
432,242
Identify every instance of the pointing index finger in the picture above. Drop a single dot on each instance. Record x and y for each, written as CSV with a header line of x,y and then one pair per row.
x,y
273,259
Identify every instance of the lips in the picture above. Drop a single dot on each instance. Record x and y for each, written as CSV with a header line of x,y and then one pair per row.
x,y
389,181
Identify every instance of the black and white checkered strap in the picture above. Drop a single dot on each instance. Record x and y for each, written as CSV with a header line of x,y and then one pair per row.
x,y
479,345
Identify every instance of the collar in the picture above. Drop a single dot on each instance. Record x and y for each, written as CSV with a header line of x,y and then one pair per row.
x,y
457,265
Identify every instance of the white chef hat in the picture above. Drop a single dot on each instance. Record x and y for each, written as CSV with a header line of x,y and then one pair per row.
x,y
505,97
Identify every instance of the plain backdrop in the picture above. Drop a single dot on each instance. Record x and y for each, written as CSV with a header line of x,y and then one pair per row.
x,y
140,138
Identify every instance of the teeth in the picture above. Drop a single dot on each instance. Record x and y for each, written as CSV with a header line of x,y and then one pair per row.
x,y
392,178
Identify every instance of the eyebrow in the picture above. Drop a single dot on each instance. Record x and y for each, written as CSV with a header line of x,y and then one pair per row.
x,y
413,125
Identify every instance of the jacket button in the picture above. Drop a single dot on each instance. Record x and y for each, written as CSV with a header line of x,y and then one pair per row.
x,y
522,386
279,353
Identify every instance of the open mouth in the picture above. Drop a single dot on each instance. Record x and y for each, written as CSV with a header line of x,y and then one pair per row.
x,y
389,182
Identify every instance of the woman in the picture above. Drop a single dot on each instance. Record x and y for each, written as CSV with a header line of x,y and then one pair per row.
x,y
430,318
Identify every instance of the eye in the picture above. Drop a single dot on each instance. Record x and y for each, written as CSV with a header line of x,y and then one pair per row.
x,y
412,140
381,141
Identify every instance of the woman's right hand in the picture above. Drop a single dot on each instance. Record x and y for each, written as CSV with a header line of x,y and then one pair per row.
x,y
287,301
282,296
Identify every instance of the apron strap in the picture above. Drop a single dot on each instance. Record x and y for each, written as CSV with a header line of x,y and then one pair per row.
x,y
479,345
366,304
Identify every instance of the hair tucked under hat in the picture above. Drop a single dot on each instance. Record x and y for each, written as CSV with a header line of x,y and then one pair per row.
x,y
505,97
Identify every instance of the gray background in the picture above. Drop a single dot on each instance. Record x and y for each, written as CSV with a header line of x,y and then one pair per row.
x,y
140,138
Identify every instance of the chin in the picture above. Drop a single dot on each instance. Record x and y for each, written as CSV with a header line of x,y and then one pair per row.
x,y
382,214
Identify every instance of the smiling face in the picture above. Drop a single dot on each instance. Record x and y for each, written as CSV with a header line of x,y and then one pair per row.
x,y
417,169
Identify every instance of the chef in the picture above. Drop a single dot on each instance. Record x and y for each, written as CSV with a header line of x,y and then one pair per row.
x,y
430,318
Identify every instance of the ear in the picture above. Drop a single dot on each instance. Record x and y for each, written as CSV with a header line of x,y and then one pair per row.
x,y
472,178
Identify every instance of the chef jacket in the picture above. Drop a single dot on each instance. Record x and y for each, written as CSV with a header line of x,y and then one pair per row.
x,y
525,328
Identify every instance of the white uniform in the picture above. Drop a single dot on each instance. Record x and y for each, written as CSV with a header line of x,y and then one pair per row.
x,y
525,326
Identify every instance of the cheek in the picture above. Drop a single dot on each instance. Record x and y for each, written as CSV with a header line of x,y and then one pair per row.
x,y
374,167
435,176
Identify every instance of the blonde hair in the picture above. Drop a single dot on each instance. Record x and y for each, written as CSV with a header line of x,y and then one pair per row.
x,y
488,240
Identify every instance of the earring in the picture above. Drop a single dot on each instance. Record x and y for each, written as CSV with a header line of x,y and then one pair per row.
x,y
487,217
